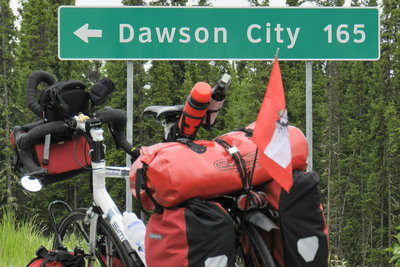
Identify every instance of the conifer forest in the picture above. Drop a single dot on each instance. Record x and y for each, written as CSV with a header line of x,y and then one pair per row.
x,y
356,119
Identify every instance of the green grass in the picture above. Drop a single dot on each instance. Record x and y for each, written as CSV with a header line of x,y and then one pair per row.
x,y
20,239
395,250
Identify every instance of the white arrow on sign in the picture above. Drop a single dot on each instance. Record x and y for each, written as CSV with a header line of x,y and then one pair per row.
x,y
84,33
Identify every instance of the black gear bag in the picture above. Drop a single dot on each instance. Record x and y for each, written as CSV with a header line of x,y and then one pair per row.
x,y
56,258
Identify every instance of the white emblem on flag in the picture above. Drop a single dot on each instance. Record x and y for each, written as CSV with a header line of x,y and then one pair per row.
x,y
279,148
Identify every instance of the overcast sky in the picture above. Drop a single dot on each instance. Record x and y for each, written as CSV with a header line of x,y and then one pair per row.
x,y
276,3
214,2
273,3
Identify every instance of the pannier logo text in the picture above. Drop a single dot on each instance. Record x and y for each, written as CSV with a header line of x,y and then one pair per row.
x,y
228,165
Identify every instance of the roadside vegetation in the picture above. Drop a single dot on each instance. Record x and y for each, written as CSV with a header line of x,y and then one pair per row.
x,y
20,239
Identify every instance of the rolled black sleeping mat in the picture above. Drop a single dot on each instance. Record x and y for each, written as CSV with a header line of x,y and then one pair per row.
x,y
34,80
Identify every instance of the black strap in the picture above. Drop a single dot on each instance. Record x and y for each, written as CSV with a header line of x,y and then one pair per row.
x,y
248,131
240,163
207,119
192,145
46,260
183,119
41,253
59,102
253,198
138,185
141,183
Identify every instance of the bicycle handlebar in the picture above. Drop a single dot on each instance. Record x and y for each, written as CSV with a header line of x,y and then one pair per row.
x,y
34,80
117,120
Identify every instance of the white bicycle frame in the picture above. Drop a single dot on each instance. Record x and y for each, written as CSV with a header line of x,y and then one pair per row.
x,y
102,198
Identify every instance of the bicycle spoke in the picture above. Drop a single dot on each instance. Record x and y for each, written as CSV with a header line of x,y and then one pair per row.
x,y
109,250
252,251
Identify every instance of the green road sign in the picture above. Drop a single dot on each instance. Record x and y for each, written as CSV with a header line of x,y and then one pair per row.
x,y
209,33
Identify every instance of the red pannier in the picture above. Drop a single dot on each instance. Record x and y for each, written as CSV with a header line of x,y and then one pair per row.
x,y
302,237
176,172
199,233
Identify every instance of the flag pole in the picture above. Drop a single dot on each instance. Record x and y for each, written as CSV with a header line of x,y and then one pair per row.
x,y
254,166
256,154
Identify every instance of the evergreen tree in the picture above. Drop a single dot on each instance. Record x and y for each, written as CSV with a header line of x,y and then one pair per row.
x,y
359,94
168,2
390,60
37,50
246,94
7,85
34,51
259,2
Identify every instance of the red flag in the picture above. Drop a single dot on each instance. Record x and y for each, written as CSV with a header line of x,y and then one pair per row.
x,y
271,132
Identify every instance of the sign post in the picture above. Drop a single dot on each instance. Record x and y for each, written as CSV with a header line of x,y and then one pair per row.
x,y
129,125
309,120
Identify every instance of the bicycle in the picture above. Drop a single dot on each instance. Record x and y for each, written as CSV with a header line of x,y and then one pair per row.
x,y
99,229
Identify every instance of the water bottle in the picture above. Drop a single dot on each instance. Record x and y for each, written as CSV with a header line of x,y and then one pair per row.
x,y
195,109
135,230
217,100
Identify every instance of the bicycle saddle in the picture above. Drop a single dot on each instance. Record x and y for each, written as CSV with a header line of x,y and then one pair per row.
x,y
164,112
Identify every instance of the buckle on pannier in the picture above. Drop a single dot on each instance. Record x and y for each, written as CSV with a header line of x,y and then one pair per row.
x,y
233,150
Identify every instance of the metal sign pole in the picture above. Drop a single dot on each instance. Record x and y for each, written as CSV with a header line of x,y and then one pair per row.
x,y
129,126
309,120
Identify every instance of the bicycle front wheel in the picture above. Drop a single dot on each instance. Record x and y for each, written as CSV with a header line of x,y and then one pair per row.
x,y
252,250
74,232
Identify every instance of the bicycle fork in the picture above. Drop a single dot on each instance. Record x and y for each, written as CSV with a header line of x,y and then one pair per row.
x,y
92,217
103,200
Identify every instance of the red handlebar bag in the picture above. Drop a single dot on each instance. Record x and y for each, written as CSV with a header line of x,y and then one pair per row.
x,y
67,158
175,172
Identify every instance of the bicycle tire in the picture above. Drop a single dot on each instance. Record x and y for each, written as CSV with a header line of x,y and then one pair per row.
x,y
252,250
73,237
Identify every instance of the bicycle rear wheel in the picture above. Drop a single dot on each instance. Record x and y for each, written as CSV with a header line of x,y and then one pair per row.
x,y
74,232
252,250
